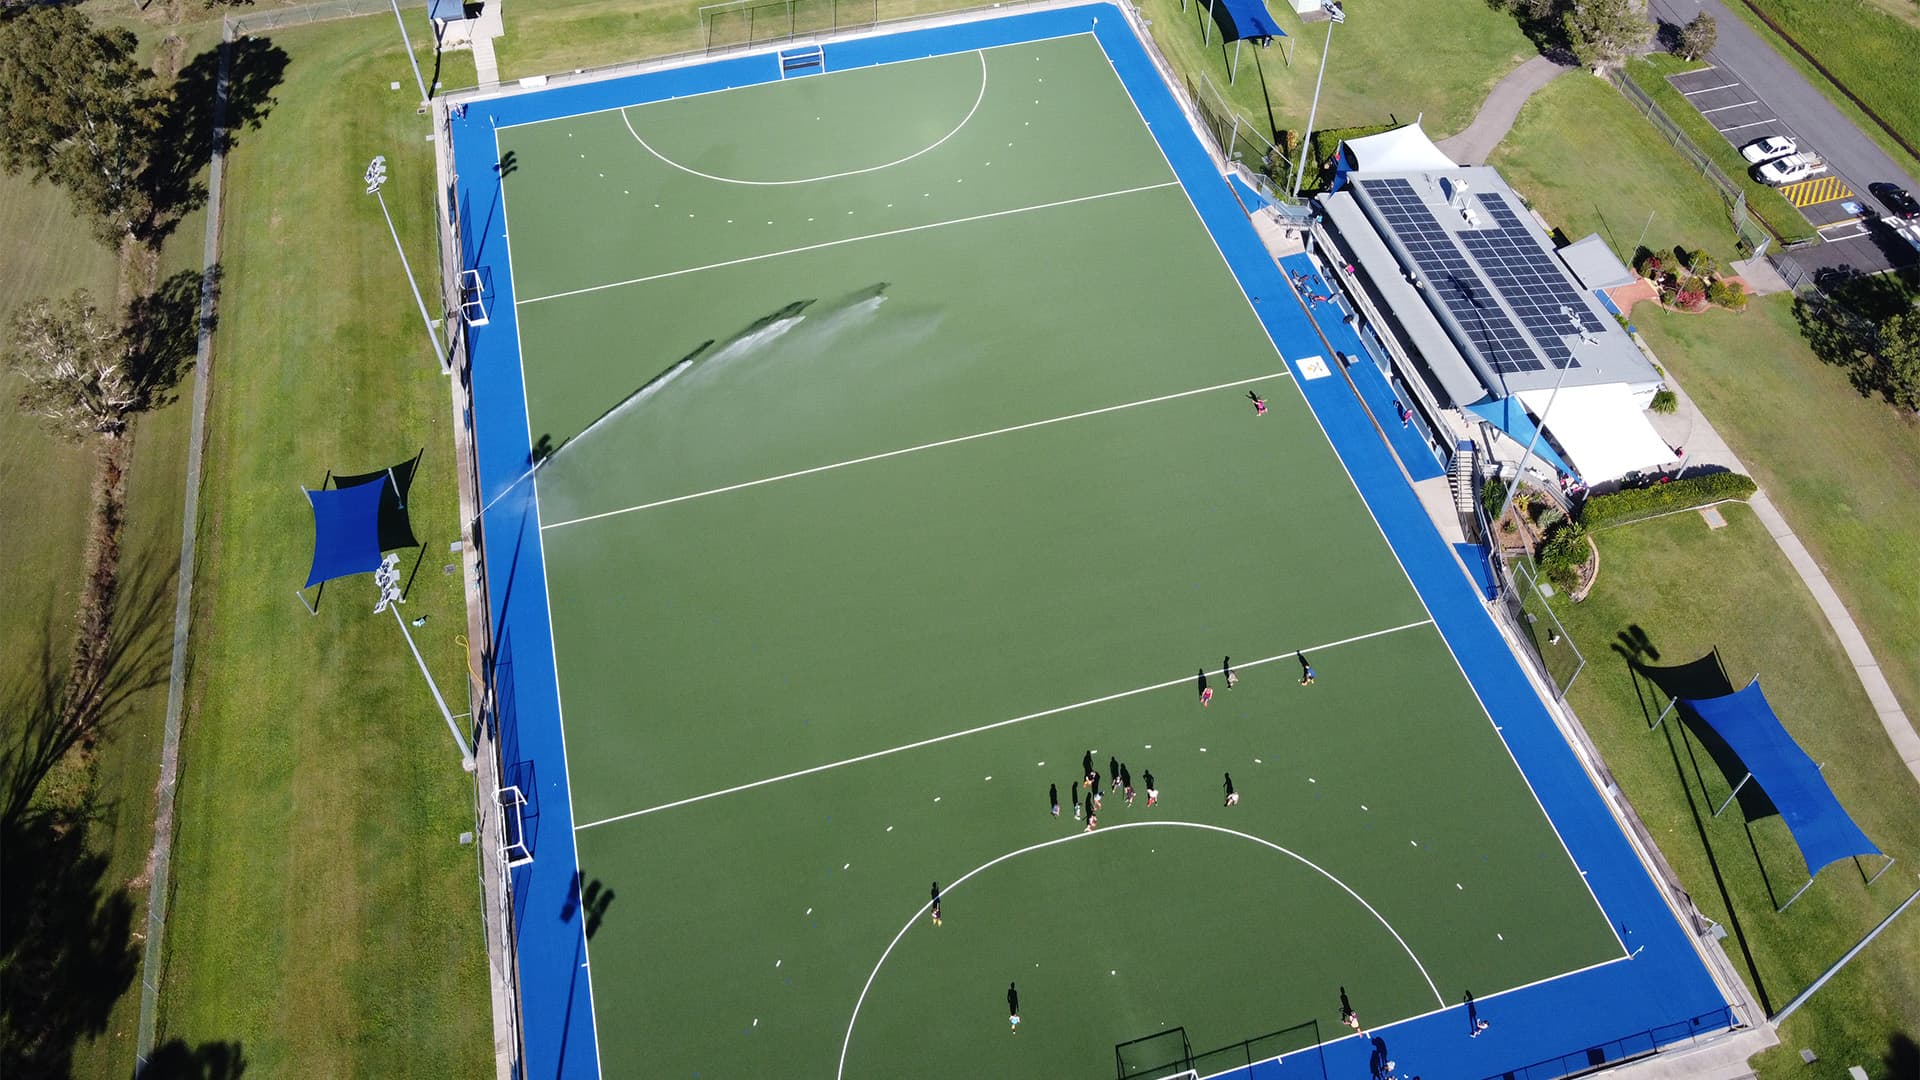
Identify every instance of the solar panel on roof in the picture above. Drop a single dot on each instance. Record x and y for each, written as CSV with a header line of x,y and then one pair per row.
x,y
1507,263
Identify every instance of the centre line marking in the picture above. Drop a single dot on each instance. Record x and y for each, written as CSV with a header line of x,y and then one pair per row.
x,y
1184,680
915,449
851,240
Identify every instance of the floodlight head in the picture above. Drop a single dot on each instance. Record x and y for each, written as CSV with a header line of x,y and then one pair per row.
x,y
376,173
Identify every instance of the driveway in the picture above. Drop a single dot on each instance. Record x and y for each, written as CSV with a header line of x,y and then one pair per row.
x,y
1763,94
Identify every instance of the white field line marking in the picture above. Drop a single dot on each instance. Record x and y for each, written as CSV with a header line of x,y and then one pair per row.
x,y
853,240
1709,90
1756,123
1430,1012
847,1043
553,650
644,145
956,440
952,735
1735,105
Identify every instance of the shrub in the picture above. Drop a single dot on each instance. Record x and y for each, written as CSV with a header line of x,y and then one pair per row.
x,y
1692,295
1702,264
1562,554
1653,264
1664,401
1727,295
1492,494
1624,506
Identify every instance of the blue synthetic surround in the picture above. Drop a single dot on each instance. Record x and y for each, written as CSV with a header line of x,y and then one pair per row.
x,y
1476,558
1253,200
1243,19
346,531
1510,416
1376,393
1820,825
1657,986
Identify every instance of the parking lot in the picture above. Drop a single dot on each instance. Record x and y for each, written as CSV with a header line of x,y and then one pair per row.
x,y
1838,207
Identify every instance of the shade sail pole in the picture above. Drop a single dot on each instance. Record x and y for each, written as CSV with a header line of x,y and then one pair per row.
x,y
1794,897
1671,702
1730,798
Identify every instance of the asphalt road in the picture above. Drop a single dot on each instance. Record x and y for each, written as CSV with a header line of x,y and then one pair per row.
x,y
1852,155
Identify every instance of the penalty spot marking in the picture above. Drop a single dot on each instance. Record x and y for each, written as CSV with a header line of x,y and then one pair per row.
x,y
847,1043
853,240
1184,680
1282,374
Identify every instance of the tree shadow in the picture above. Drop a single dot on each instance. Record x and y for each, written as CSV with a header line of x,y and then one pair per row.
x,y
65,931
175,1060
184,143
1903,1057
48,712
162,331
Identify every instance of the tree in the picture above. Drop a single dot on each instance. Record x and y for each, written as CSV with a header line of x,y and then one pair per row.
x,y
74,367
1900,360
1698,37
77,109
1604,33
1869,327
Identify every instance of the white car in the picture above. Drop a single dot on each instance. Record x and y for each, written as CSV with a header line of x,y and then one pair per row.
x,y
1790,169
1769,148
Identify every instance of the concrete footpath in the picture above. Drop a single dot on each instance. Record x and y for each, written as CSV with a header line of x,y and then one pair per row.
x,y
1687,426
1906,742
1497,113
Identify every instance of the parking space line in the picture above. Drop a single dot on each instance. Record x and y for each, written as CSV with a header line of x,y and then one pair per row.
x,y
1709,90
1724,108
1860,230
1756,123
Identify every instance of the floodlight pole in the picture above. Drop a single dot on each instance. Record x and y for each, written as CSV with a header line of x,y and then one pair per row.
x,y
376,177
1520,471
466,752
1306,148
408,42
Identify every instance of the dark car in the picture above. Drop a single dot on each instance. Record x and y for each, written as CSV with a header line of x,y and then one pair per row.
x,y
1897,201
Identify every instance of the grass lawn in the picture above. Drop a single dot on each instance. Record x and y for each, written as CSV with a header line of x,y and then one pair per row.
x,y
43,479
1436,56
1587,161
1690,590
1845,470
323,915
1650,73
1862,45
1392,59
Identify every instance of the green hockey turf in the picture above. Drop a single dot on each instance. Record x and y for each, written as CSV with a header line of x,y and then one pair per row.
x,y
881,498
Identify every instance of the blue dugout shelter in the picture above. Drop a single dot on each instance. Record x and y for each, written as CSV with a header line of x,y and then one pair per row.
x,y
1239,20
1791,780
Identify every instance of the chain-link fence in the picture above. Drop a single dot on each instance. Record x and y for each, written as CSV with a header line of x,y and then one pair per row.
x,y
746,23
254,22
1523,601
1752,237
1237,140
